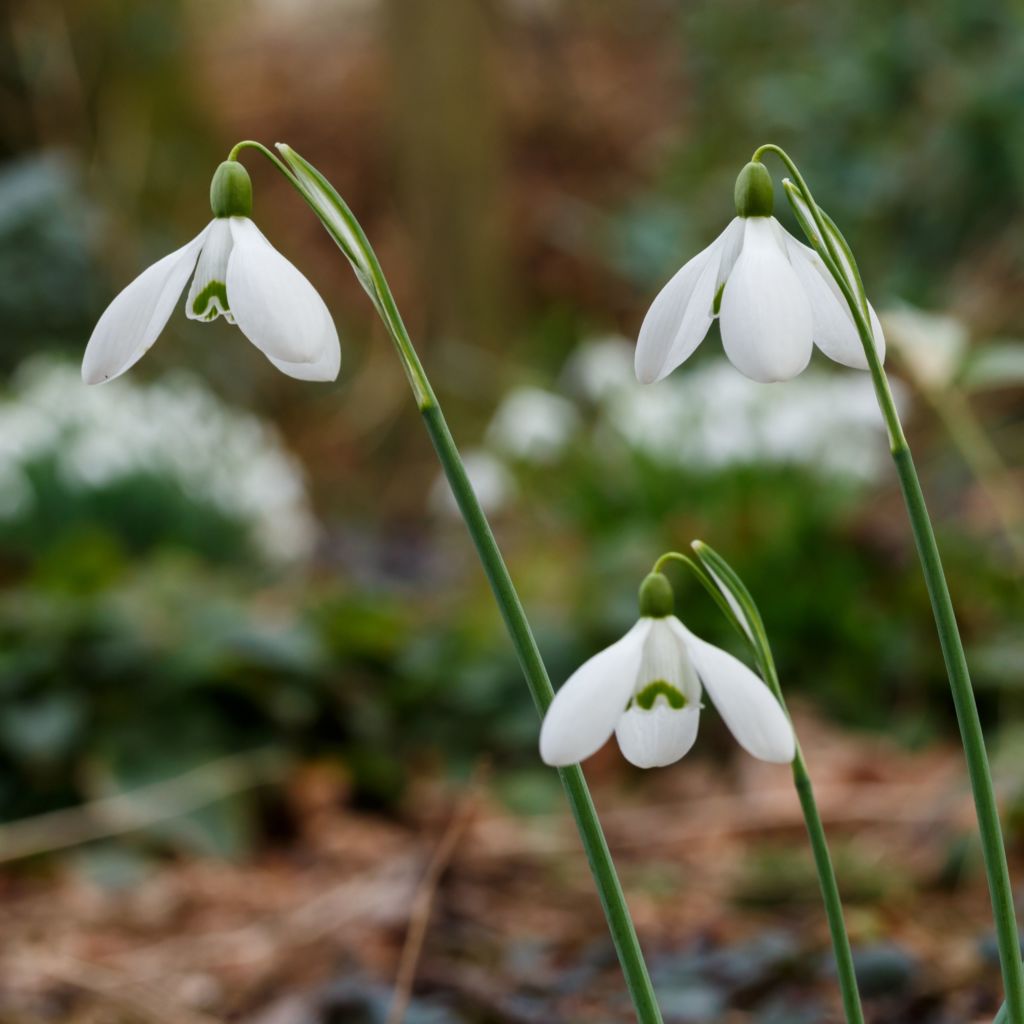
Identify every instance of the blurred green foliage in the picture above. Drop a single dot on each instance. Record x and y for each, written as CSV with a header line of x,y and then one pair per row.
x,y
905,119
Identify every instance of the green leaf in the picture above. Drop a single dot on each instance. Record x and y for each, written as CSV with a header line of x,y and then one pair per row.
x,y
335,215
731,587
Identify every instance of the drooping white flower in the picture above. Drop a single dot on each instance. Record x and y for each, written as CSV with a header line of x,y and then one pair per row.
x,y
238,275
646,689
773,296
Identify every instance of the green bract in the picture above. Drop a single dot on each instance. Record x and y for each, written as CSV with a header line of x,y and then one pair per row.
x,y
231,191
656,597
753,191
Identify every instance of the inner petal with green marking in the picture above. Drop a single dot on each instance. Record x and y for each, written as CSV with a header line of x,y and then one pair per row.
x,y
211,302
208,296
646,697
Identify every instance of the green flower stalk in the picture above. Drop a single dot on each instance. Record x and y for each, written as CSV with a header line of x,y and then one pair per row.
x,y
775,299
734,599
834,251
346,231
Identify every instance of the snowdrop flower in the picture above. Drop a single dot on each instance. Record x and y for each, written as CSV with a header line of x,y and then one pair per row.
x,y
238,275
646,688
773,296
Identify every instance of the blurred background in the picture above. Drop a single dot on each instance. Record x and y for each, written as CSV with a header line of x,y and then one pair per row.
x,y
265,751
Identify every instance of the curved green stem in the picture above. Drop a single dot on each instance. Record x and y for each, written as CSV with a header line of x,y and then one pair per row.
x,y
745,618
829,243
342,225
269,154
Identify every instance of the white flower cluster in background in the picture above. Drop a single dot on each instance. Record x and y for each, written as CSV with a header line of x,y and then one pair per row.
x,y
712,417
706,418
176,428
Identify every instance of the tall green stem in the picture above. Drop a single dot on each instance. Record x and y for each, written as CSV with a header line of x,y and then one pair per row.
x,y
832,248
751,627
346,231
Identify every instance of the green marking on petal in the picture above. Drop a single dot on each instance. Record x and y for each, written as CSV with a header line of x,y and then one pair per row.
x,y
716,307
211,301
659,688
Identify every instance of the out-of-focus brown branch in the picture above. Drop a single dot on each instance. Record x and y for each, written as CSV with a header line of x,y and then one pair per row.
x,y
419,917
143,807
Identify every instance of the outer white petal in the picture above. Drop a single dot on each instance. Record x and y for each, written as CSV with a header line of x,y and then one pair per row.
x,y
748,707
834,330
584,712
681,314
205,298
765,318
661,736
325,368
134,320
277,309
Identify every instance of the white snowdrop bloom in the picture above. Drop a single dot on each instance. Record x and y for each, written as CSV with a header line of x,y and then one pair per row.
x,y
646,689
773,296
533,424
238,275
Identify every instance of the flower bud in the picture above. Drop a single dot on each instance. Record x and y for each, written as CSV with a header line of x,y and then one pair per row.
x,y
753,191
231,190
656,597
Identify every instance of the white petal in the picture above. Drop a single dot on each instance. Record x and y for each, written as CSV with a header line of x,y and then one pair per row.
x,y
681,314
584,712
207,298
277,309
834,330
747,706
766,317
661,736
134,320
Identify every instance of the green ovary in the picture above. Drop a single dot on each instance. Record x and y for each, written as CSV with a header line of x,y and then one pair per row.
x,y
211,301
659,688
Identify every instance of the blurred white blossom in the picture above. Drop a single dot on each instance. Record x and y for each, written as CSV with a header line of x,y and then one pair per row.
x,y
533,425
599,368
176,428
932,346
